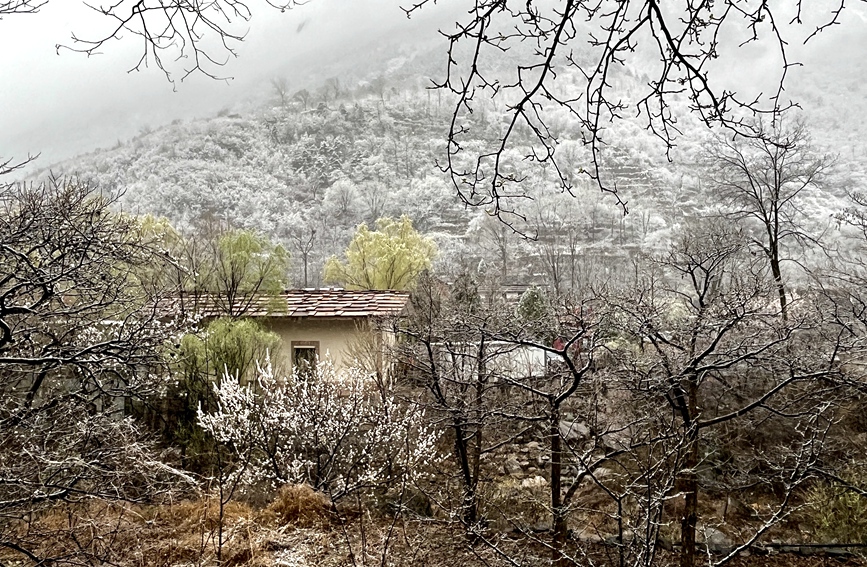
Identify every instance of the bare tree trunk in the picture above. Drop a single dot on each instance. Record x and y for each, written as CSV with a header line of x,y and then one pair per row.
x,y
689,486
462,453
481,382
778,281
690,509
558,511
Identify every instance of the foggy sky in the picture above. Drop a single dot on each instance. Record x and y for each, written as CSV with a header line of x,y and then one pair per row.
x,y
66,104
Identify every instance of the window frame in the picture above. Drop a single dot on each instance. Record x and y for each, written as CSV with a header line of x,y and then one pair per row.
x,y
298,345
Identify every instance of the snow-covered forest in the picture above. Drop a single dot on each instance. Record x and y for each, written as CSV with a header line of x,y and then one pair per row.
x,y
306,166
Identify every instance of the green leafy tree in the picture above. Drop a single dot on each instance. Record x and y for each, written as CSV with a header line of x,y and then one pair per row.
x,y
227,346
390,257
534,313
232,346
237,268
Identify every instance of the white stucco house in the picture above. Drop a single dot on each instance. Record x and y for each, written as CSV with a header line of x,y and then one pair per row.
x,y
342,324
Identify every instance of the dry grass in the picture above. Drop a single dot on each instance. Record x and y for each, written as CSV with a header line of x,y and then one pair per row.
x,y
185,532
298,529
300,506
516,505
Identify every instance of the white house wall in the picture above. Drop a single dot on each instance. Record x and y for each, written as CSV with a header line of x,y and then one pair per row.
x,y
334,337
502,359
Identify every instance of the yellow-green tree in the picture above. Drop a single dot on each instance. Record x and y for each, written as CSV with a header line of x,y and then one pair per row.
x,y
227,346
168,273
233,268
238,268
390,257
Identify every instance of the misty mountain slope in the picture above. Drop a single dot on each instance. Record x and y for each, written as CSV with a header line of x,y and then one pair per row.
x,y
357,147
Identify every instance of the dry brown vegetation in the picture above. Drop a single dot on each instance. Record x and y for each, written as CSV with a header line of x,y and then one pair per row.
x,y
299,527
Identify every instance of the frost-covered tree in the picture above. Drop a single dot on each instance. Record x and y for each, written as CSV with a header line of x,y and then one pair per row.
x,y
749,395
496,238
342,200
80,332
303,231
765,183
561,225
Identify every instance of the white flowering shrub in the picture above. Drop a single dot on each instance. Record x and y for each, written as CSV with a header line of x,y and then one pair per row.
x,y
335,430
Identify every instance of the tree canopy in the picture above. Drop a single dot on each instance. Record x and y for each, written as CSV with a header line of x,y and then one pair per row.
x,y
390,257
764,183
238,267
228,346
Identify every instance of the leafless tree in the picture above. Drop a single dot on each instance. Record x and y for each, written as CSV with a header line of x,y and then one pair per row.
x,y
71,287
548,361
763,182
496,375
80,332
712,347
557,231
302,231
302,96
498,236
595,39
281,90
230,270
448,352
203,35
572,351
21,6
10,165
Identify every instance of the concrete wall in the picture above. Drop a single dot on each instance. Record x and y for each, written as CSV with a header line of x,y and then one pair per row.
x,y
333,336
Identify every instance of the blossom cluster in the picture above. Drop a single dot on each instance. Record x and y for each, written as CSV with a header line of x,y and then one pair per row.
x,y
336,430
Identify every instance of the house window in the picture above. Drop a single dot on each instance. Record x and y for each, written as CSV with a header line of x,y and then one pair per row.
x,y
305,355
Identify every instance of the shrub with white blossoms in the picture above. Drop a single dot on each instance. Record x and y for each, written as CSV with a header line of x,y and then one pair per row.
x,y
335,430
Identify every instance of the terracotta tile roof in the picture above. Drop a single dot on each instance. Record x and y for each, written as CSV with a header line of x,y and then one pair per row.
x,y
310,302
330,302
